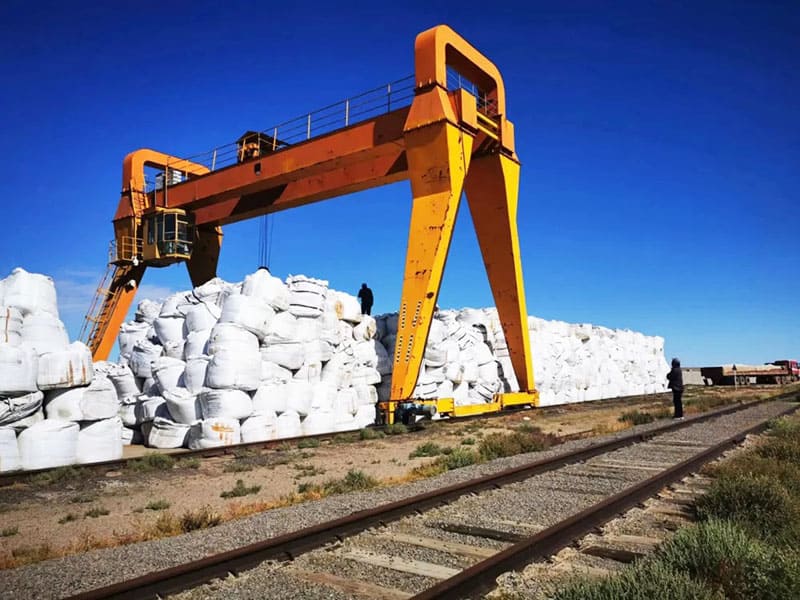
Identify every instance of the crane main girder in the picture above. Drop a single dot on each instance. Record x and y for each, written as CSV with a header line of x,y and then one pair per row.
x,y
445,143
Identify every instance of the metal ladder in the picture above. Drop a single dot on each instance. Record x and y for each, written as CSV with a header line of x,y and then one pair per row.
x,y
103,305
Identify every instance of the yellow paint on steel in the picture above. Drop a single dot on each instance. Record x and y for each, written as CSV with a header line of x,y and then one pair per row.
x,y
518,398
438,158
115,306
492,187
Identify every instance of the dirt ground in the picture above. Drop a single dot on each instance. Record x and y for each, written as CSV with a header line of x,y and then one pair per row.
x,y
105,509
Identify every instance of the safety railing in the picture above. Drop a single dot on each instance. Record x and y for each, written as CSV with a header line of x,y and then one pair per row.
x,y
125,249
339,115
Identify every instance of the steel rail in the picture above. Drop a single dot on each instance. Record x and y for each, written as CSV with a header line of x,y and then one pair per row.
x,y
287,546
481,577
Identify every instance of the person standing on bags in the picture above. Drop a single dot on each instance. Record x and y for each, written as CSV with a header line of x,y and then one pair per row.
x,y
675,378
365,295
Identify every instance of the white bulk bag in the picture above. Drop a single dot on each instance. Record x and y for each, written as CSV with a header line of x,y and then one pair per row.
x,y
318,422
49,443
31,419
100,441
366,375
365,416
142,356
461,394
229,336
167,434
174,349
9,451
317,351
454,372
211,291
13,410
249,312
488,371
170,307
200,317
270,398
127,436
445,389
483,354
435,356
347,307
306,304
308,329
30,292
383,360
168,373
298,396
2,291
266,288
196,343
365,394
18,369
426,388
10,325
148,408
212,433
241,371
147,311
66,368
323,397
483,391
365,353
310,372
127,413
169,329
346,402
129,334
345,422
44,333
287,425
225,404
366,329
301,283
274,373
337,372
259,427
99,399
194,376
282,329
183,406
329,328
288,355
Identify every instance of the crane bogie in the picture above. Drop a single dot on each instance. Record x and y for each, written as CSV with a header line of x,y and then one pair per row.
x,y
447,142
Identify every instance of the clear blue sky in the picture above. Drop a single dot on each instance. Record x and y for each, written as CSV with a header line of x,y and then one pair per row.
x,y
660,144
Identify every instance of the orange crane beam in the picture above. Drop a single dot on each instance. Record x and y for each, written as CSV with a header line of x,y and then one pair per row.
x,y
447,142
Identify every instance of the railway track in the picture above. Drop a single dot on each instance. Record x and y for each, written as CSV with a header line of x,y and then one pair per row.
x,y
453,542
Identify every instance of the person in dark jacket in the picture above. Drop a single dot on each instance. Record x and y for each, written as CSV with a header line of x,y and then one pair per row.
x,y
675,378
365,295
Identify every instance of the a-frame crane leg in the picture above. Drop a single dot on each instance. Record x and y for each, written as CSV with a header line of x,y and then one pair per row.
x,y
114,303
202,266
438,158
492,189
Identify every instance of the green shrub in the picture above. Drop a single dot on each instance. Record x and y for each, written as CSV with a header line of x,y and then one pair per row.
x,y
309,443
97,511
237,467
468,441
157,505
647,580
759,504
396,429
780,448
499,445
58,475
202,518
426,449
188,463
354,481
725,557
152,462
10,531
634,417
240,489
68,518
459,457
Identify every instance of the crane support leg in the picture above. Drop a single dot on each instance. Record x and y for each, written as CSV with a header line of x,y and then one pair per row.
x,y
202,265
116,302
492,189
438,159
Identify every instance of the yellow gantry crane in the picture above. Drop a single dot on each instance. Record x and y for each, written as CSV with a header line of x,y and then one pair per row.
x,y
451,138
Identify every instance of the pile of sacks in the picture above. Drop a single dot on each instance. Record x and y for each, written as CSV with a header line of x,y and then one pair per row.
x,y
263,359
56,408
267,359
466,358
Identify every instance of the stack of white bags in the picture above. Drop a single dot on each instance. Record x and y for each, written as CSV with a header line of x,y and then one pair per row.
x,y
266,359
40,368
